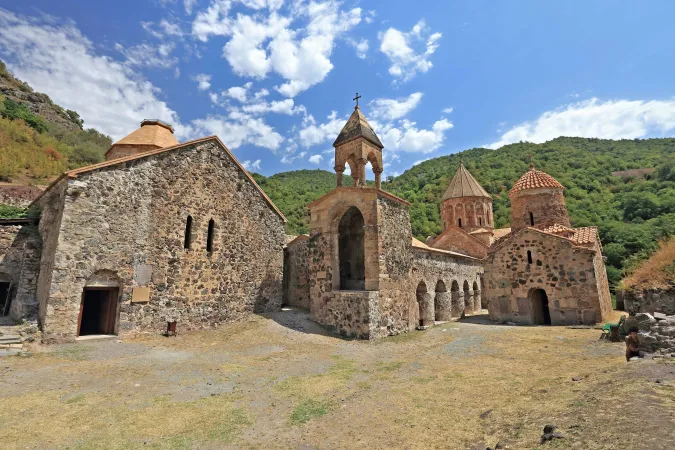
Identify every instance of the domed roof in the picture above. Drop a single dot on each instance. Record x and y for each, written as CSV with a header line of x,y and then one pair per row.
x,y
534,179
463,184
152,134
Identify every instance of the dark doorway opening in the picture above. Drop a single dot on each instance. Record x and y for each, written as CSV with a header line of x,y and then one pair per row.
x,y
98,311
5,288
540,311
352,251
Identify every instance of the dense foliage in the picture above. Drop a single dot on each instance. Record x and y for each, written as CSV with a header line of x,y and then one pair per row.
x,y
11,212
633,214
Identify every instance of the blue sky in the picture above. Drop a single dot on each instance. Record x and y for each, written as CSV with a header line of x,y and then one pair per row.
x,y
274,79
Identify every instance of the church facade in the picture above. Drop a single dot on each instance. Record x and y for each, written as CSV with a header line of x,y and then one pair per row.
x,y
164,232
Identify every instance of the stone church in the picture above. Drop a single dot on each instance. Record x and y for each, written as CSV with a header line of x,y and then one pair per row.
x,y
166,232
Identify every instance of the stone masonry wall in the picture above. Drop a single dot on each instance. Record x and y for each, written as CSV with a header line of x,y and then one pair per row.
x,y
657,335
546,205
131,220
565,271
20,247
297,272
650,301
456,240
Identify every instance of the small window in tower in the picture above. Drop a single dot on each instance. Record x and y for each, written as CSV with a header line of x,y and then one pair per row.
x,y
188,233
480,221
529,257
531,219
209,236
459,222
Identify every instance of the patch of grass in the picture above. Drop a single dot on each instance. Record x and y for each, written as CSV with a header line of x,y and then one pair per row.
x,y
336,377
75,399
389,366
74,352
308,410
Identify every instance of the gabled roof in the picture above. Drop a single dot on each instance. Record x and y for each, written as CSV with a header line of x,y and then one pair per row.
x,y
463,184
151,133
456,229
357,126
586,235
416,243
122,162
533,179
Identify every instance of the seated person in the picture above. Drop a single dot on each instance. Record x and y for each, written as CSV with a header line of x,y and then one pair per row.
x,y
632,344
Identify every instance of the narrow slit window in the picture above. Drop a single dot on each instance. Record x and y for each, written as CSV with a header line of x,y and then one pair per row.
x,y
480,221
459,222
188,233
531,219
529,257
209,236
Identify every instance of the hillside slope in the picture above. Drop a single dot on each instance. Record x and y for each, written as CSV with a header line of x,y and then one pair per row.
x,y
39,139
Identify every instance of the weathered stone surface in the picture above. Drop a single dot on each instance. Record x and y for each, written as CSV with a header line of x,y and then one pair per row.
x,y
654,335
20,249
650,301
573,277
130,220
296,272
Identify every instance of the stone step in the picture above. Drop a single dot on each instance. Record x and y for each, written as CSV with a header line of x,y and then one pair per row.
x,y
10,351
13,345
10,340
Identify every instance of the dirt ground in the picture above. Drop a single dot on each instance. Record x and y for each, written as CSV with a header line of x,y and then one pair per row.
x,y
280,381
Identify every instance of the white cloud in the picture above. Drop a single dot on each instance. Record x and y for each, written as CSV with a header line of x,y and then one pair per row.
x,y
420,161
370,16
409,52
55,57
391,109
406,137
287,159
189,5
237,129
286,106
203,81
238,93
313,134
315,159
260,44
248,165
170,29
448,110
612,119
361,47
146,55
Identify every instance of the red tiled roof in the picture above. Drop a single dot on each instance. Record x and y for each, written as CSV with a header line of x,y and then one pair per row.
x,y
585,235
534,179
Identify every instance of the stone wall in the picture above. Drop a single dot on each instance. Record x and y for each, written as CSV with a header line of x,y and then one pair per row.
x,y
656,335
130,220
566,272
20,196
546,205
650,301
20,247
296,272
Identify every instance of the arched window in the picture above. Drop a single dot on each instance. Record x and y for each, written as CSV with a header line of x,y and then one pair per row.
x,y
459,222
529,257
531,219
188,233
209,236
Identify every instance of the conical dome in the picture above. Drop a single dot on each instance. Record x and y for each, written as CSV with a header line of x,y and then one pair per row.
x,y
152,134
357,126
534,179
463,184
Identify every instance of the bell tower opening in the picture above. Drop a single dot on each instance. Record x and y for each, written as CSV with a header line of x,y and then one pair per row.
x,y
352,251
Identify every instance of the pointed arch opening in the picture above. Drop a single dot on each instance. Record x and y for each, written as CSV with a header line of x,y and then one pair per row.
x,y
187,241
209,236
351,242
541,314
442,306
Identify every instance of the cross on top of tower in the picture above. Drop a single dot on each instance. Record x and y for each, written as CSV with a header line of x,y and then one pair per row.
x,y
357,99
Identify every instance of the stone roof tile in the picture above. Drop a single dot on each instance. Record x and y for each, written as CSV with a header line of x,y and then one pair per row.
x,y
463,184
357,126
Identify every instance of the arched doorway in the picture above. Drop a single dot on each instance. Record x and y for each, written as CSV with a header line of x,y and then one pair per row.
x,y
468,303
98,309
442,305
5,291
540,312
426,307
351,251
477,302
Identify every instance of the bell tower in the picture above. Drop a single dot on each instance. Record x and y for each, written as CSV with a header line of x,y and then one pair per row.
x,y
356,146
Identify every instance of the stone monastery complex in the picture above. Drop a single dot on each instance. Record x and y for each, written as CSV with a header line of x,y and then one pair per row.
x,y
168,232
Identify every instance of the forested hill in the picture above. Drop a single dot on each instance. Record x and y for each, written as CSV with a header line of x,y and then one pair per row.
x,y
38,138
633,215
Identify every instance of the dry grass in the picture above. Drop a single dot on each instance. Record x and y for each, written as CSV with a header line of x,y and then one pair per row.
x,y
658,272
420,391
